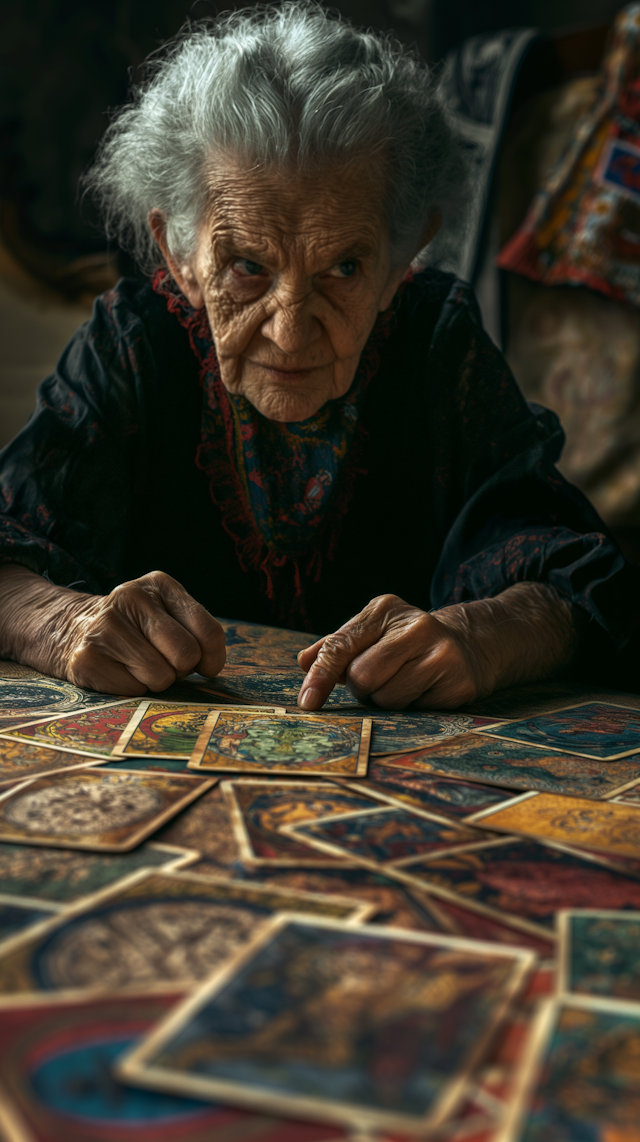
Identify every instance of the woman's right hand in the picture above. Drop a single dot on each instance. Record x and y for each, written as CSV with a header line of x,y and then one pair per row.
x,y
143,636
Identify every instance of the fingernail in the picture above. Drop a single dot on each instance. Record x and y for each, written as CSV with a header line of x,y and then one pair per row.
x,y
309,698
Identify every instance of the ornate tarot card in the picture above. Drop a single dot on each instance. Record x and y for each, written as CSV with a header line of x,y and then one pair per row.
x,y
19,912
579,1076
478,757
602,730
282,744
19,761
23,699
397,731
57,1082
258,808
243,684
62,876
261,647
600,953
603,826
523,883
206,827
309,1016
91,809
152,930
166,729
90,733
394,905
383,836
448,796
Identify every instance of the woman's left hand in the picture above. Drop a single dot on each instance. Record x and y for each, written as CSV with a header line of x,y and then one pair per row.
x,y
398,655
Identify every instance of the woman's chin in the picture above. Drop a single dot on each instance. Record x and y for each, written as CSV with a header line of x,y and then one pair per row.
x,y
286,406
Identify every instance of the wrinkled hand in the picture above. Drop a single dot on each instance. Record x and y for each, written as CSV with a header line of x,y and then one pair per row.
x,y
395,654
144,635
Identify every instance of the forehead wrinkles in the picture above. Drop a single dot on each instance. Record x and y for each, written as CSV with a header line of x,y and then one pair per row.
x,y
279,218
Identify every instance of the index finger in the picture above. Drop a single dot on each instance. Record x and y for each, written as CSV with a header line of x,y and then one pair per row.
x,y
333,656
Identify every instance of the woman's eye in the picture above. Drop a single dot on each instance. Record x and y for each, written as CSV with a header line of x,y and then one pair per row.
x,y
246,266
344,269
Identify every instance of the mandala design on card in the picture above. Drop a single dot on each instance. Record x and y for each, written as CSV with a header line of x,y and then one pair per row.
x,y
275,742
89,807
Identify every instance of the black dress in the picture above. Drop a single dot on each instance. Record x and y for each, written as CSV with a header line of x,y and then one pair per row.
x,y
451,492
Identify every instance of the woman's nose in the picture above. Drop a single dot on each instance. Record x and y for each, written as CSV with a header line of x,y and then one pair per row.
x,y
292,326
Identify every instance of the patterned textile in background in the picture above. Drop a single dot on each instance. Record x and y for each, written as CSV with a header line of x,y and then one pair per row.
x,y
273,481
583,227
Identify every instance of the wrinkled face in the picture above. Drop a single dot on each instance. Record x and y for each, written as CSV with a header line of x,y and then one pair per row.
x,y
293,272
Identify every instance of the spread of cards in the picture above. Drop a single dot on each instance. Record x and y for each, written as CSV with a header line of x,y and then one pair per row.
x,y
222,918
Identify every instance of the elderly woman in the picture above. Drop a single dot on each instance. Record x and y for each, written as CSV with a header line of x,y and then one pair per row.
x,y
294,421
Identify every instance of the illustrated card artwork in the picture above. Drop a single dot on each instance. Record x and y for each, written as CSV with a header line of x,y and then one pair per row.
x,y
602,730
19,761
600,953
165,730
282,744
385,836
245,684
90,733
91,809
312,1014
479,757
400,730
155,929
62,876
579,1079
22,699
205,826
395,905
254,645
603,826
528,881
450,796
57,1082
259,808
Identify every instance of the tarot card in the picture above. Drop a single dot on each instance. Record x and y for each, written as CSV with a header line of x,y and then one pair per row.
x,y
206,827
629,796
90,733
478,757
63,877
447,796
56,1080
19,762
603,826
152,930
523,883
166,730
258,808
600,953
309,1015
18,913
397,731
284,743
22,699
385,836
91,809
394,905
601,730
260,647
579,1077
242,684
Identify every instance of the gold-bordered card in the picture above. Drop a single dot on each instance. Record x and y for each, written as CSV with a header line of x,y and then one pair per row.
x,y
168,729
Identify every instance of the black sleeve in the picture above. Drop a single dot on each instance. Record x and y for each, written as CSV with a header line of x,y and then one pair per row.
x,y
68,479
517,518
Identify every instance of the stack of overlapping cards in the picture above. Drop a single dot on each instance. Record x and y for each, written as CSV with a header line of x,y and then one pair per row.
x,y
221,917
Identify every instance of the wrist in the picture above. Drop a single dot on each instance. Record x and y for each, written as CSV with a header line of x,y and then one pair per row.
x,y
35,617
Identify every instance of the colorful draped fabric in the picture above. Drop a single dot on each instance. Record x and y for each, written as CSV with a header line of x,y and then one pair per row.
x,y
583,227
278,485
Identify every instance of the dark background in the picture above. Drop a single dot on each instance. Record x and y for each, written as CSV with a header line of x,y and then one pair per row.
x,y
63,63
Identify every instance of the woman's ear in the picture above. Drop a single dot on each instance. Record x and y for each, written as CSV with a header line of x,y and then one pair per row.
x,y
182,272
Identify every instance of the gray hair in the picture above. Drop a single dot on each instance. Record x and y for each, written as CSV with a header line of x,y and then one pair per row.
x,y
276,84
